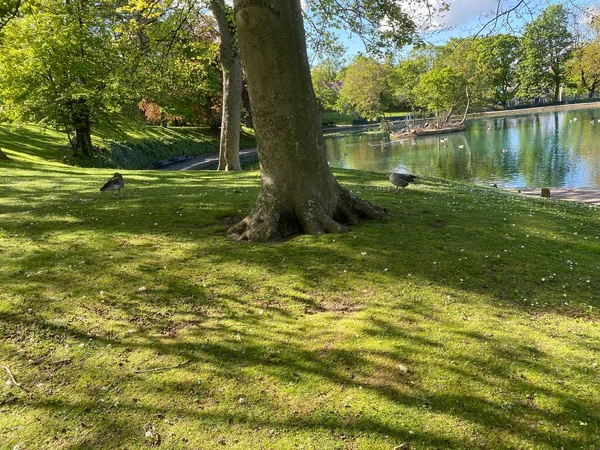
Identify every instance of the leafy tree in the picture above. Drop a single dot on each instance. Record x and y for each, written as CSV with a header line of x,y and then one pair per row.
x,y
486,63
325,85
171,51
367,87
440,91
585,67
497,59
585,64
545,48
59,65
231,69
8,10
409,72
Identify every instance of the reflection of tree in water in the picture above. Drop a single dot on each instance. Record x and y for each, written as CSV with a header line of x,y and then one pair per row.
x,y
529,150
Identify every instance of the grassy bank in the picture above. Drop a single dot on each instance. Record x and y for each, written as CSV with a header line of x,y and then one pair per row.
x,y
338,118
130,147
469,320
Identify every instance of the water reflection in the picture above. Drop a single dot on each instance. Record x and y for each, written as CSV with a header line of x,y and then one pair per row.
x,y
556,149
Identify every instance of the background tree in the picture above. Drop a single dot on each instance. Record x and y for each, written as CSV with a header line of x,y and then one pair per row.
x,y
367,87
585,64
172,54
497,59
231,69
441,91
59,66
545,48
409,72
8,10
325,84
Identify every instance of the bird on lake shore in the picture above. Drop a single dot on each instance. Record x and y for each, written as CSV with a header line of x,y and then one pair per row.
x,y
115,183
401,180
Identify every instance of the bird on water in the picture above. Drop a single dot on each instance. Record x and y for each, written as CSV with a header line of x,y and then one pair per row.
x,y
115,183
401,180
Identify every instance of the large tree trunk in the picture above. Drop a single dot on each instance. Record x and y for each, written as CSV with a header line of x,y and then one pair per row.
x,y
298,191
229,155
82,141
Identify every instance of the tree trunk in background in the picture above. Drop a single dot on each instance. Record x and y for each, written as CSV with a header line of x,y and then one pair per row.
x,y
246,105
298,191
229,154
81,144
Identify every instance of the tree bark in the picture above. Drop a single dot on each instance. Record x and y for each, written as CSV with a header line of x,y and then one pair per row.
x,y
82,142
231,66
298,191
557,91
80,123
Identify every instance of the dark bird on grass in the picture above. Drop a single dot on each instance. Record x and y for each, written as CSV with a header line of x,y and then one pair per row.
x,y
401,180
115,183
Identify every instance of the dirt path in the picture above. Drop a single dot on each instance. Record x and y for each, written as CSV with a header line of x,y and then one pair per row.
x,y
590,196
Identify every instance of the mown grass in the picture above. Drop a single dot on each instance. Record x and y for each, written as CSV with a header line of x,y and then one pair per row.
x,y
133,146
469,320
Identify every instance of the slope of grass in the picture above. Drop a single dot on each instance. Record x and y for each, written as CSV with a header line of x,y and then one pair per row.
x,y
132,146
469,320
141,149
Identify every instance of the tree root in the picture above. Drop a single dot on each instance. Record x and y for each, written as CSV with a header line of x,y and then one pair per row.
x,y
274,221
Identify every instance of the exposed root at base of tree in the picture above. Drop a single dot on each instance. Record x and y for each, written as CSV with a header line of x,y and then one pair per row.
x,y
275,220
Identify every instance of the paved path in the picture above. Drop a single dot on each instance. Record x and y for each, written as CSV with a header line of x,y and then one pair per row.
x,y
591,196
203,162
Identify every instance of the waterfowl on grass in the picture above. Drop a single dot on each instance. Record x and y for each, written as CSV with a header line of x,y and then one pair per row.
x,y
401,180
115,183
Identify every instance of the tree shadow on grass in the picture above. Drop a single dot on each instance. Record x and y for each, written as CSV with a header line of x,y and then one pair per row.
x,y
295,365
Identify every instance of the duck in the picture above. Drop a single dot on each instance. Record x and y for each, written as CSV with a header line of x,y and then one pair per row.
x,y
401,180
114,183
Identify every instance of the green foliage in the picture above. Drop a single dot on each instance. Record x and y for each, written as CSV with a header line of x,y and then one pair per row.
x,y
176,55
497,60
58,56
486,64
440,91
584,67
367,87
324,77
383,25
408,73
545,48
8,11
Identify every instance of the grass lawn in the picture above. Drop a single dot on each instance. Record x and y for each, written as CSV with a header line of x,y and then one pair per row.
x,y
132,146
469,320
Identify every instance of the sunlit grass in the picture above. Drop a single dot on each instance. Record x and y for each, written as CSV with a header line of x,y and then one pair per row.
x,y
469,320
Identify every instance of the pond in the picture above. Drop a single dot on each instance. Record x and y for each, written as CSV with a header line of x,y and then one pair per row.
x,y
554,149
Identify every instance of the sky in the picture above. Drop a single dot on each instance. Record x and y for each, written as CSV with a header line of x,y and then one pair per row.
x,y
467,17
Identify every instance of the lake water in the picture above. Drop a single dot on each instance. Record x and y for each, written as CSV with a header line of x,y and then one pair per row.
x,y
554,149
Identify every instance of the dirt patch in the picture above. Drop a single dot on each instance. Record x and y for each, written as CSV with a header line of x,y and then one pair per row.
x,y
341,305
